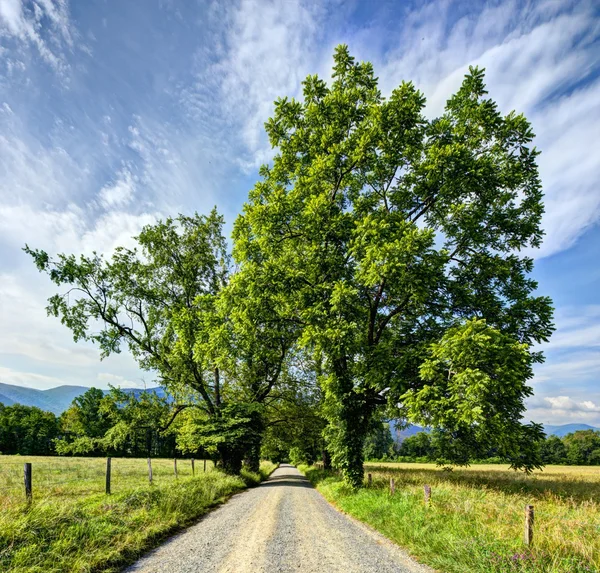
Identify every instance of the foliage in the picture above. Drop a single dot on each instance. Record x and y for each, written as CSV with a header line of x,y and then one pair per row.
x,y
294,425
212,343
131,425
27,430
553,450
418,446
583,447
474,386
82,424
376,230
379,444
579,448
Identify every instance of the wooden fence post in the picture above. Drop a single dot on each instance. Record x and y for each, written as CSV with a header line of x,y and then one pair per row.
x,y
108,463
392,486
175,466
193,469
427,490
204,465
150,470
27,476
529,525
370,479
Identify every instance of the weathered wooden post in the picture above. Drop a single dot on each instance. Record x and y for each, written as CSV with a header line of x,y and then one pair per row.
x,y
108,464
392,486
27,477
149,470
427,490
193,468
529,525
369,480
175,466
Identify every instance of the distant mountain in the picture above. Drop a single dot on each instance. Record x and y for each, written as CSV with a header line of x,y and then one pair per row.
x,y
55,400
565,429
399,434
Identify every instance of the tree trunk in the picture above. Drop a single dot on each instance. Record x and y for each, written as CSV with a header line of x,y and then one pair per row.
x,y
252,459
229,459
326,458
348,423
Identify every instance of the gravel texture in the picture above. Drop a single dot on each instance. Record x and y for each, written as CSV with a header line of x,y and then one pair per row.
x,y
282,525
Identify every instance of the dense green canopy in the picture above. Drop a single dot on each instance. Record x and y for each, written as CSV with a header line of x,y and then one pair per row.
x,y
385,250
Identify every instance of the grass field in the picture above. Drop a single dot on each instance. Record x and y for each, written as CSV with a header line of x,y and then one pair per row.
x,y
72,526
72,477
475,522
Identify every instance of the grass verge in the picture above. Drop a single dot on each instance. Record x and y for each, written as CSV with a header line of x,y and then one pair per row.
x,y
475,521
104,533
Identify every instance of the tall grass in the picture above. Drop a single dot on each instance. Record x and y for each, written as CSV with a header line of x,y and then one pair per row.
x,y
475,521
80,529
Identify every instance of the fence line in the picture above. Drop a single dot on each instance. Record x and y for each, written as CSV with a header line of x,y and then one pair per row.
x,y
104,473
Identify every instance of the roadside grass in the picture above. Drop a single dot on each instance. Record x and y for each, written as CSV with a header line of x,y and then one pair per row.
x,y
475,521
81,530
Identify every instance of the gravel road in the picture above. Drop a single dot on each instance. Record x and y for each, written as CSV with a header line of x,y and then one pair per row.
x,y
282,525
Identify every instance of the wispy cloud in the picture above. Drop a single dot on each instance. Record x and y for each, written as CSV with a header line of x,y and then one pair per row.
x,y
42,24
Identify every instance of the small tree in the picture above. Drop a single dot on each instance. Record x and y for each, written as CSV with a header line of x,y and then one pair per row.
x,y
159,299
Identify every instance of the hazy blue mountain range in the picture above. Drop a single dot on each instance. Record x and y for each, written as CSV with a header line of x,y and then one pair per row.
x,y
565,429
55,400
560,431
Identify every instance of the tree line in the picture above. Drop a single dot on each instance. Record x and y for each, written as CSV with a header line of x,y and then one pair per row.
x,y
116,423
580,448
379,269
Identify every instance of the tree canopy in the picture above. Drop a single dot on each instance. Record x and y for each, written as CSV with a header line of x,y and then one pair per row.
x,y
385,229
388,250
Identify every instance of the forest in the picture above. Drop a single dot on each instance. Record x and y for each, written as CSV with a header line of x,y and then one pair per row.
x,y
380,269
123,424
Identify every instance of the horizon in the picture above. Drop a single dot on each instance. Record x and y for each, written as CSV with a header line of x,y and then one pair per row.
x,y
112,120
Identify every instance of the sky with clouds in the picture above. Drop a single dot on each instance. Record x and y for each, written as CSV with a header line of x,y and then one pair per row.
x,y
113,114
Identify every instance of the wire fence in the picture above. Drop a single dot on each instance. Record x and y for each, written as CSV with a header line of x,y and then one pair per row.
x,y
34,478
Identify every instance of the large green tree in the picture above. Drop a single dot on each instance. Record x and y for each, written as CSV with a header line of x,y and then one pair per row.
x,y
382,230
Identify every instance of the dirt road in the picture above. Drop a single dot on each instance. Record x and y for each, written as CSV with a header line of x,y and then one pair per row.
x,y
282,525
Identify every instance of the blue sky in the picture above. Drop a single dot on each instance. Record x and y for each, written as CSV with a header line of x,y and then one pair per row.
x,y
115,113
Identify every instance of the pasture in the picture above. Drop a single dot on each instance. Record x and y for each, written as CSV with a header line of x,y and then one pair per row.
x,y
475,520
72,525
59,477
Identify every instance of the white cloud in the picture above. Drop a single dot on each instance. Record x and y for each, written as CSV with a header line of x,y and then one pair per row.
x,y
43,24
28,379
118,193
264,51
565,403
564,410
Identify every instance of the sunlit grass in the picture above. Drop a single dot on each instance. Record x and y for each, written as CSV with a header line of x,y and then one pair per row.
x,y
475,521
71,525
72,477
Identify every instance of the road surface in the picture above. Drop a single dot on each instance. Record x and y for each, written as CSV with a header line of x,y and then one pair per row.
x,y
282,525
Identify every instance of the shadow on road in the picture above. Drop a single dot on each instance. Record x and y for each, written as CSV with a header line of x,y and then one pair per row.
x,y
287,479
